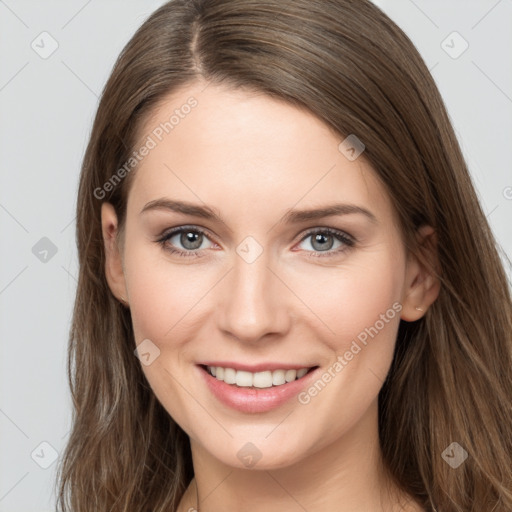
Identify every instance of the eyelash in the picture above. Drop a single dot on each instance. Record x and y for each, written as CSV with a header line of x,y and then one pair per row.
x,y
349,241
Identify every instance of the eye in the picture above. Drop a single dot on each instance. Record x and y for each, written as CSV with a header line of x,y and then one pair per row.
x,y
185,241
189,241
323,240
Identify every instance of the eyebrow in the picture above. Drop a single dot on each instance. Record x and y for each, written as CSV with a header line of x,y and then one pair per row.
x,y
291,217
295,216
182,207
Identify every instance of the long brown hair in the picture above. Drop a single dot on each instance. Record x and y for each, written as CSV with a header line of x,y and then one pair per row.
x,y
349,64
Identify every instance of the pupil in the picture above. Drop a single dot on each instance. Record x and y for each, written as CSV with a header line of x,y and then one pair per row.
x,y
322,240
191,240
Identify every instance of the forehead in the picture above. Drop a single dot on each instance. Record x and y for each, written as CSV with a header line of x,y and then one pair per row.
x,y
245,151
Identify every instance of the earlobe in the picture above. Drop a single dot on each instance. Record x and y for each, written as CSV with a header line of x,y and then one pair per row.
x,y
422,285
114,271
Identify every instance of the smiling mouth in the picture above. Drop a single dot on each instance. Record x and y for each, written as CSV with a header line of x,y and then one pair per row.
x,y
256,380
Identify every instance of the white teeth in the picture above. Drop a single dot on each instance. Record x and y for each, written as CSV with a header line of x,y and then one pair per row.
x,y
301,372
290,375
262,379
229,376
243,379
265,379
278,377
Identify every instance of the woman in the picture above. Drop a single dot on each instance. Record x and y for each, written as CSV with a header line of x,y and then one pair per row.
x,y
289,297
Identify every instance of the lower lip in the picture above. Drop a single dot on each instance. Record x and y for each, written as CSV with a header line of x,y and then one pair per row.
x,y
253,400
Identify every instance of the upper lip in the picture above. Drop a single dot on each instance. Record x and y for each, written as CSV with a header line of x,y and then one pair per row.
x,y
254,368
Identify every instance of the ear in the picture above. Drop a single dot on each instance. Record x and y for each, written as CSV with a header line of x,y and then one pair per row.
x,y
114,271
421,287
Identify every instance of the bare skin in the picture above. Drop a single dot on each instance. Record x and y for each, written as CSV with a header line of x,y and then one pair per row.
x,y
252,159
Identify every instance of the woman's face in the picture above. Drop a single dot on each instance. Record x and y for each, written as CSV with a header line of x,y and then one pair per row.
x,y
262,281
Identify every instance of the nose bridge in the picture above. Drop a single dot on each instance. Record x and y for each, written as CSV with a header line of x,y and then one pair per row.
x,y
252,305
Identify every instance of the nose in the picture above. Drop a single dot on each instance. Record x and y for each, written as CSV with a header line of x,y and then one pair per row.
x,y
254,302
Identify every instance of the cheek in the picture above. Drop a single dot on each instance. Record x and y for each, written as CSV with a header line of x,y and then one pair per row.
x,y
162,294
356,299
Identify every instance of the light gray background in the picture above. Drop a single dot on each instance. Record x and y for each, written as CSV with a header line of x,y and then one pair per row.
x,y
46,111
